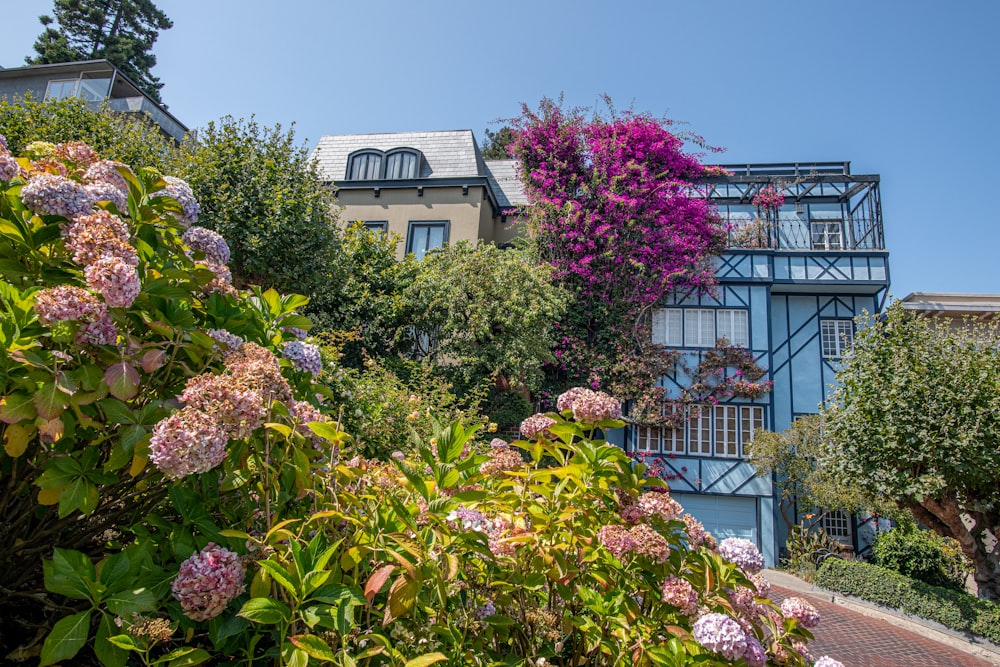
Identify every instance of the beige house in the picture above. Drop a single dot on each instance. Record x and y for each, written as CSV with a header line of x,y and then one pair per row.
x,y
429,188
954,309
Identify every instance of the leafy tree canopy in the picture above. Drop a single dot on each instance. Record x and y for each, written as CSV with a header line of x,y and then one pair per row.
x,y
489,311
916,418
258,189
122,31
497,145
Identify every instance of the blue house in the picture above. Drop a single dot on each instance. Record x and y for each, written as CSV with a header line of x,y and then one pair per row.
x,y
806,254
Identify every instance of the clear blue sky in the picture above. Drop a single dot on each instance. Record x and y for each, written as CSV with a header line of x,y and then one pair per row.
x,y
908,89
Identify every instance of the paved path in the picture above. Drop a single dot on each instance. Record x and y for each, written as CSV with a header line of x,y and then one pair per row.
x,y
858,640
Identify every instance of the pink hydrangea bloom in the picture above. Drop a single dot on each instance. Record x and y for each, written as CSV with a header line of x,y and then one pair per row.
x,y
697,535
89,237
304,357
181,192
755,655
187,442
537,425
590,407
616,539
679,593
209,242
800,610
659,504
721,634
208,581
259,368
106,172
49,194
9,168
237,408
743,552
647,542
565,400
66,302
101,331
114,279
4,149
501,460
76,152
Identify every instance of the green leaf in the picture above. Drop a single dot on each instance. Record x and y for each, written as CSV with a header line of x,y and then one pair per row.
x,y
265,611
314,646
123,641
114,568
278,573
184,657
327,431
426,659
81,494
66,639
117,412
68,573
295,657
50,401
123,380
132,601
16,408
109,653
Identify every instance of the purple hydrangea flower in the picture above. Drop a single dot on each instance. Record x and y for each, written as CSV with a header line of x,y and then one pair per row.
x,y
721,634
9,168
755,655
209,242
304,357
223,337
186,443
742,552
181,192
106,172
827,661
208,581
106,192
591,407
48,194
800,610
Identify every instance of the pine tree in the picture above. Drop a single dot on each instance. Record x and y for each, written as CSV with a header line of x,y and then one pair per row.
x,y
122,31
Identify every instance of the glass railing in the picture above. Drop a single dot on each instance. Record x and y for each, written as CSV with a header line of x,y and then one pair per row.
x,y
143,105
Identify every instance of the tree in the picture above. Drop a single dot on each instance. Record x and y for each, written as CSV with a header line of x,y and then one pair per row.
x,y
258,189
122,31
488,311
793,457
612,211
496,145
916,418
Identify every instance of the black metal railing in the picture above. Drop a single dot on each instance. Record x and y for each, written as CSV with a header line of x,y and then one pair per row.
x,y
855,234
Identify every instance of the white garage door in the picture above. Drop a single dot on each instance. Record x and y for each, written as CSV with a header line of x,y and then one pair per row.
x,y
723,516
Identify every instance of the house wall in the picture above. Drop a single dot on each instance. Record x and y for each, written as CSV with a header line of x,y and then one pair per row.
x,y
33,85
467,215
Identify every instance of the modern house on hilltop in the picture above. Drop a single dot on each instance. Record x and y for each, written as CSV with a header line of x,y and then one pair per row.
x,y
799,267
96,81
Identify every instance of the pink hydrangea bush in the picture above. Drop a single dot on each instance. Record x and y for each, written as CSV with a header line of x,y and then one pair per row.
x,y
208,581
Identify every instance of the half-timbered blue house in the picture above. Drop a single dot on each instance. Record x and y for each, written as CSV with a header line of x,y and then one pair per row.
x,y
806,254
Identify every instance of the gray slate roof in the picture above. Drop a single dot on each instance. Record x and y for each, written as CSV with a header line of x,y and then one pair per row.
x,y
447,154
505,183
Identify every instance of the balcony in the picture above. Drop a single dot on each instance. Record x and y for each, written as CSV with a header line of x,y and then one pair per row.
x,y
817,207
142,105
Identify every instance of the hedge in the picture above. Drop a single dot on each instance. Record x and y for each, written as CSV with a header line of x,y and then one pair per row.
x,y
953,609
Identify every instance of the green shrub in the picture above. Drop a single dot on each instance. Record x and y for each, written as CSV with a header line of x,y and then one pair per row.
x,y
919,554
953,609
507,409
804,546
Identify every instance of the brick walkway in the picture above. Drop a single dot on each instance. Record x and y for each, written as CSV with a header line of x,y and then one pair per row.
x,y
859,641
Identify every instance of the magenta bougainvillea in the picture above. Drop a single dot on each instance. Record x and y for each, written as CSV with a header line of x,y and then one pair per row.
x,y
613,210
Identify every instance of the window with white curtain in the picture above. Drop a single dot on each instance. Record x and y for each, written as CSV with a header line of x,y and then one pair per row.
x,y
700,327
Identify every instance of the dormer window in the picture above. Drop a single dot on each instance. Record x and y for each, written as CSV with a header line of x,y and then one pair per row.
x,y
371,164
365,166
402,164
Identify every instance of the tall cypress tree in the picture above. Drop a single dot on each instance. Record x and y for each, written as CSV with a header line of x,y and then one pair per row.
x,y
122,31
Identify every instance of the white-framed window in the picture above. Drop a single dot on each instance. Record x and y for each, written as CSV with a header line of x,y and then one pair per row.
x,y
700,327
835,337
719,430
837,525
422,237
61,89
827,235
668,327
732,325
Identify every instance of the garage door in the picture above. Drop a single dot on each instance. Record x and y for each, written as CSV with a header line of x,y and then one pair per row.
x,y
723,516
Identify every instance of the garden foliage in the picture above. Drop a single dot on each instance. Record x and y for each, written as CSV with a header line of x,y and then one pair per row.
x,y
182,497
922,555
951,608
